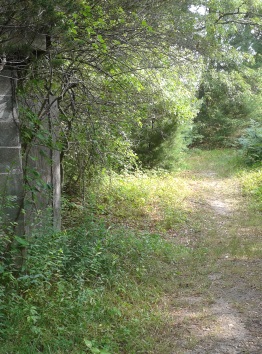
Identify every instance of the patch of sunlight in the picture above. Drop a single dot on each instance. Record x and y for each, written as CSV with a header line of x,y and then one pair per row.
x,y
228,327
256,248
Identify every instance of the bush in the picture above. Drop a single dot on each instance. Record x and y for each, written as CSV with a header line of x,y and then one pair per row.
x,y
251,143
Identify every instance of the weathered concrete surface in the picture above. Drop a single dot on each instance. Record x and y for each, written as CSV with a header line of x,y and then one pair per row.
x,y
9,133
46,163
11,185
42,164
10,159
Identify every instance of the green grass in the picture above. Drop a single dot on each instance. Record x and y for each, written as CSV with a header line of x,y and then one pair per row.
x,y
223,162
143,200
251,181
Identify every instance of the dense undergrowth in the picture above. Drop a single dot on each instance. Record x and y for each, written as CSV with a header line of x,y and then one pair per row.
x,y
97,287
87,290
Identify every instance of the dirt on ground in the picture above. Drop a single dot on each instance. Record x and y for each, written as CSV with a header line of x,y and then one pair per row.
x,y
218,307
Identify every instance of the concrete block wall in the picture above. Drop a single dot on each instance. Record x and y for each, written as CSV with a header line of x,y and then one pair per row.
x,y
44,160
11,174
47,163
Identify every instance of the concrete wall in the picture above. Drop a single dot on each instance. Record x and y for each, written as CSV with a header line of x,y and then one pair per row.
x,y
11,175
43,160
46,162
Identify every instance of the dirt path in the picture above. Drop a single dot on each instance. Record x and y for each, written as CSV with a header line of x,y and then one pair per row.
x,y
218,308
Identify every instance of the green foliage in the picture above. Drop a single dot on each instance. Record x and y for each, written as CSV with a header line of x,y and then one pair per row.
x,y
11,246
251,143
33,129
225,109
231,83
87,289
108,67
125,80
168,115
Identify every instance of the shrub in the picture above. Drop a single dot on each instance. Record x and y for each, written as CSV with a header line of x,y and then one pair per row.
x,y
251,143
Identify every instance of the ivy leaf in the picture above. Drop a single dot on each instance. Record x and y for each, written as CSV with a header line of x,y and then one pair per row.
x,y
100,38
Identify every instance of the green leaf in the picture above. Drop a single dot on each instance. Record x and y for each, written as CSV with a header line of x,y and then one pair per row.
x,y
88,343
21,241
100,38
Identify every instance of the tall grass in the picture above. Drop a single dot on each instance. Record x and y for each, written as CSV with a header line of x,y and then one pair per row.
x,y
154,200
